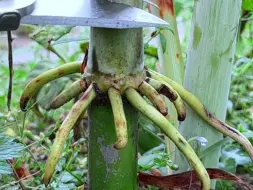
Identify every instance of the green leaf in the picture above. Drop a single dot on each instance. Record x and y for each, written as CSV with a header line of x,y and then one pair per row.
x,y
228,164
212,148
44,34
234,151
247,5
84,45
61,186
5,168
163,42
148,139
66,177
151,50
8,148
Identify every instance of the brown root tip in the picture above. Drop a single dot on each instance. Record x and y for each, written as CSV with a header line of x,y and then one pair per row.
x,y
45,181
181,117
23,103
164,113
119,144
168,93
148,74
96,88
52,105
147,80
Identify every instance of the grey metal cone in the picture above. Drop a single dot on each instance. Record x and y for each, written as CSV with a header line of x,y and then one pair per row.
x,y
93,13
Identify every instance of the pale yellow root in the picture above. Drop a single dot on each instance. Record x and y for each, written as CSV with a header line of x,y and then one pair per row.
x,y
64,130
149,111
119,118
200,109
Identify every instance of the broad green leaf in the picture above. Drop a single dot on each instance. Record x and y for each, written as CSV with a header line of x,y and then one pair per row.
x,y
234,151
151,50
44,34
5,168
247,5
150,61
228,164
66,186
148,140
212,148
84,45
8,148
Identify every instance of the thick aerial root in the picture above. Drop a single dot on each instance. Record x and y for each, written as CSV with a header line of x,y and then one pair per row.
x,y
200,109
151,93
35,107
139,103
181,109
38,82
119,118
65,96
62,134
169,92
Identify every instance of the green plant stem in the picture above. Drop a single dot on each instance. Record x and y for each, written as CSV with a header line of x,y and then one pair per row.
x,y
111,168
119,53
210,56
170,55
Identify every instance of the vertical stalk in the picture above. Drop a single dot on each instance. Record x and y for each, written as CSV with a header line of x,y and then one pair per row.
x,y
208,69
113,52
170,61
109,168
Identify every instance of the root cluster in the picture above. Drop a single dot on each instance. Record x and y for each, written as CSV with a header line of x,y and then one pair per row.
x,y
152,85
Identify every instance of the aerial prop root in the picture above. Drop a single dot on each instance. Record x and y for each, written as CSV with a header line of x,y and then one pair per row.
x,y
150,112
62,134
35,107
34,86
166,90
156,99
68,94
119,118
200,109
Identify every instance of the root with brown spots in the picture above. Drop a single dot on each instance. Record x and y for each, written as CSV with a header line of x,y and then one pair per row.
x,y
152,87
65,96
64,130
149,111
148,91
166,90
119,118
199,108
34,86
